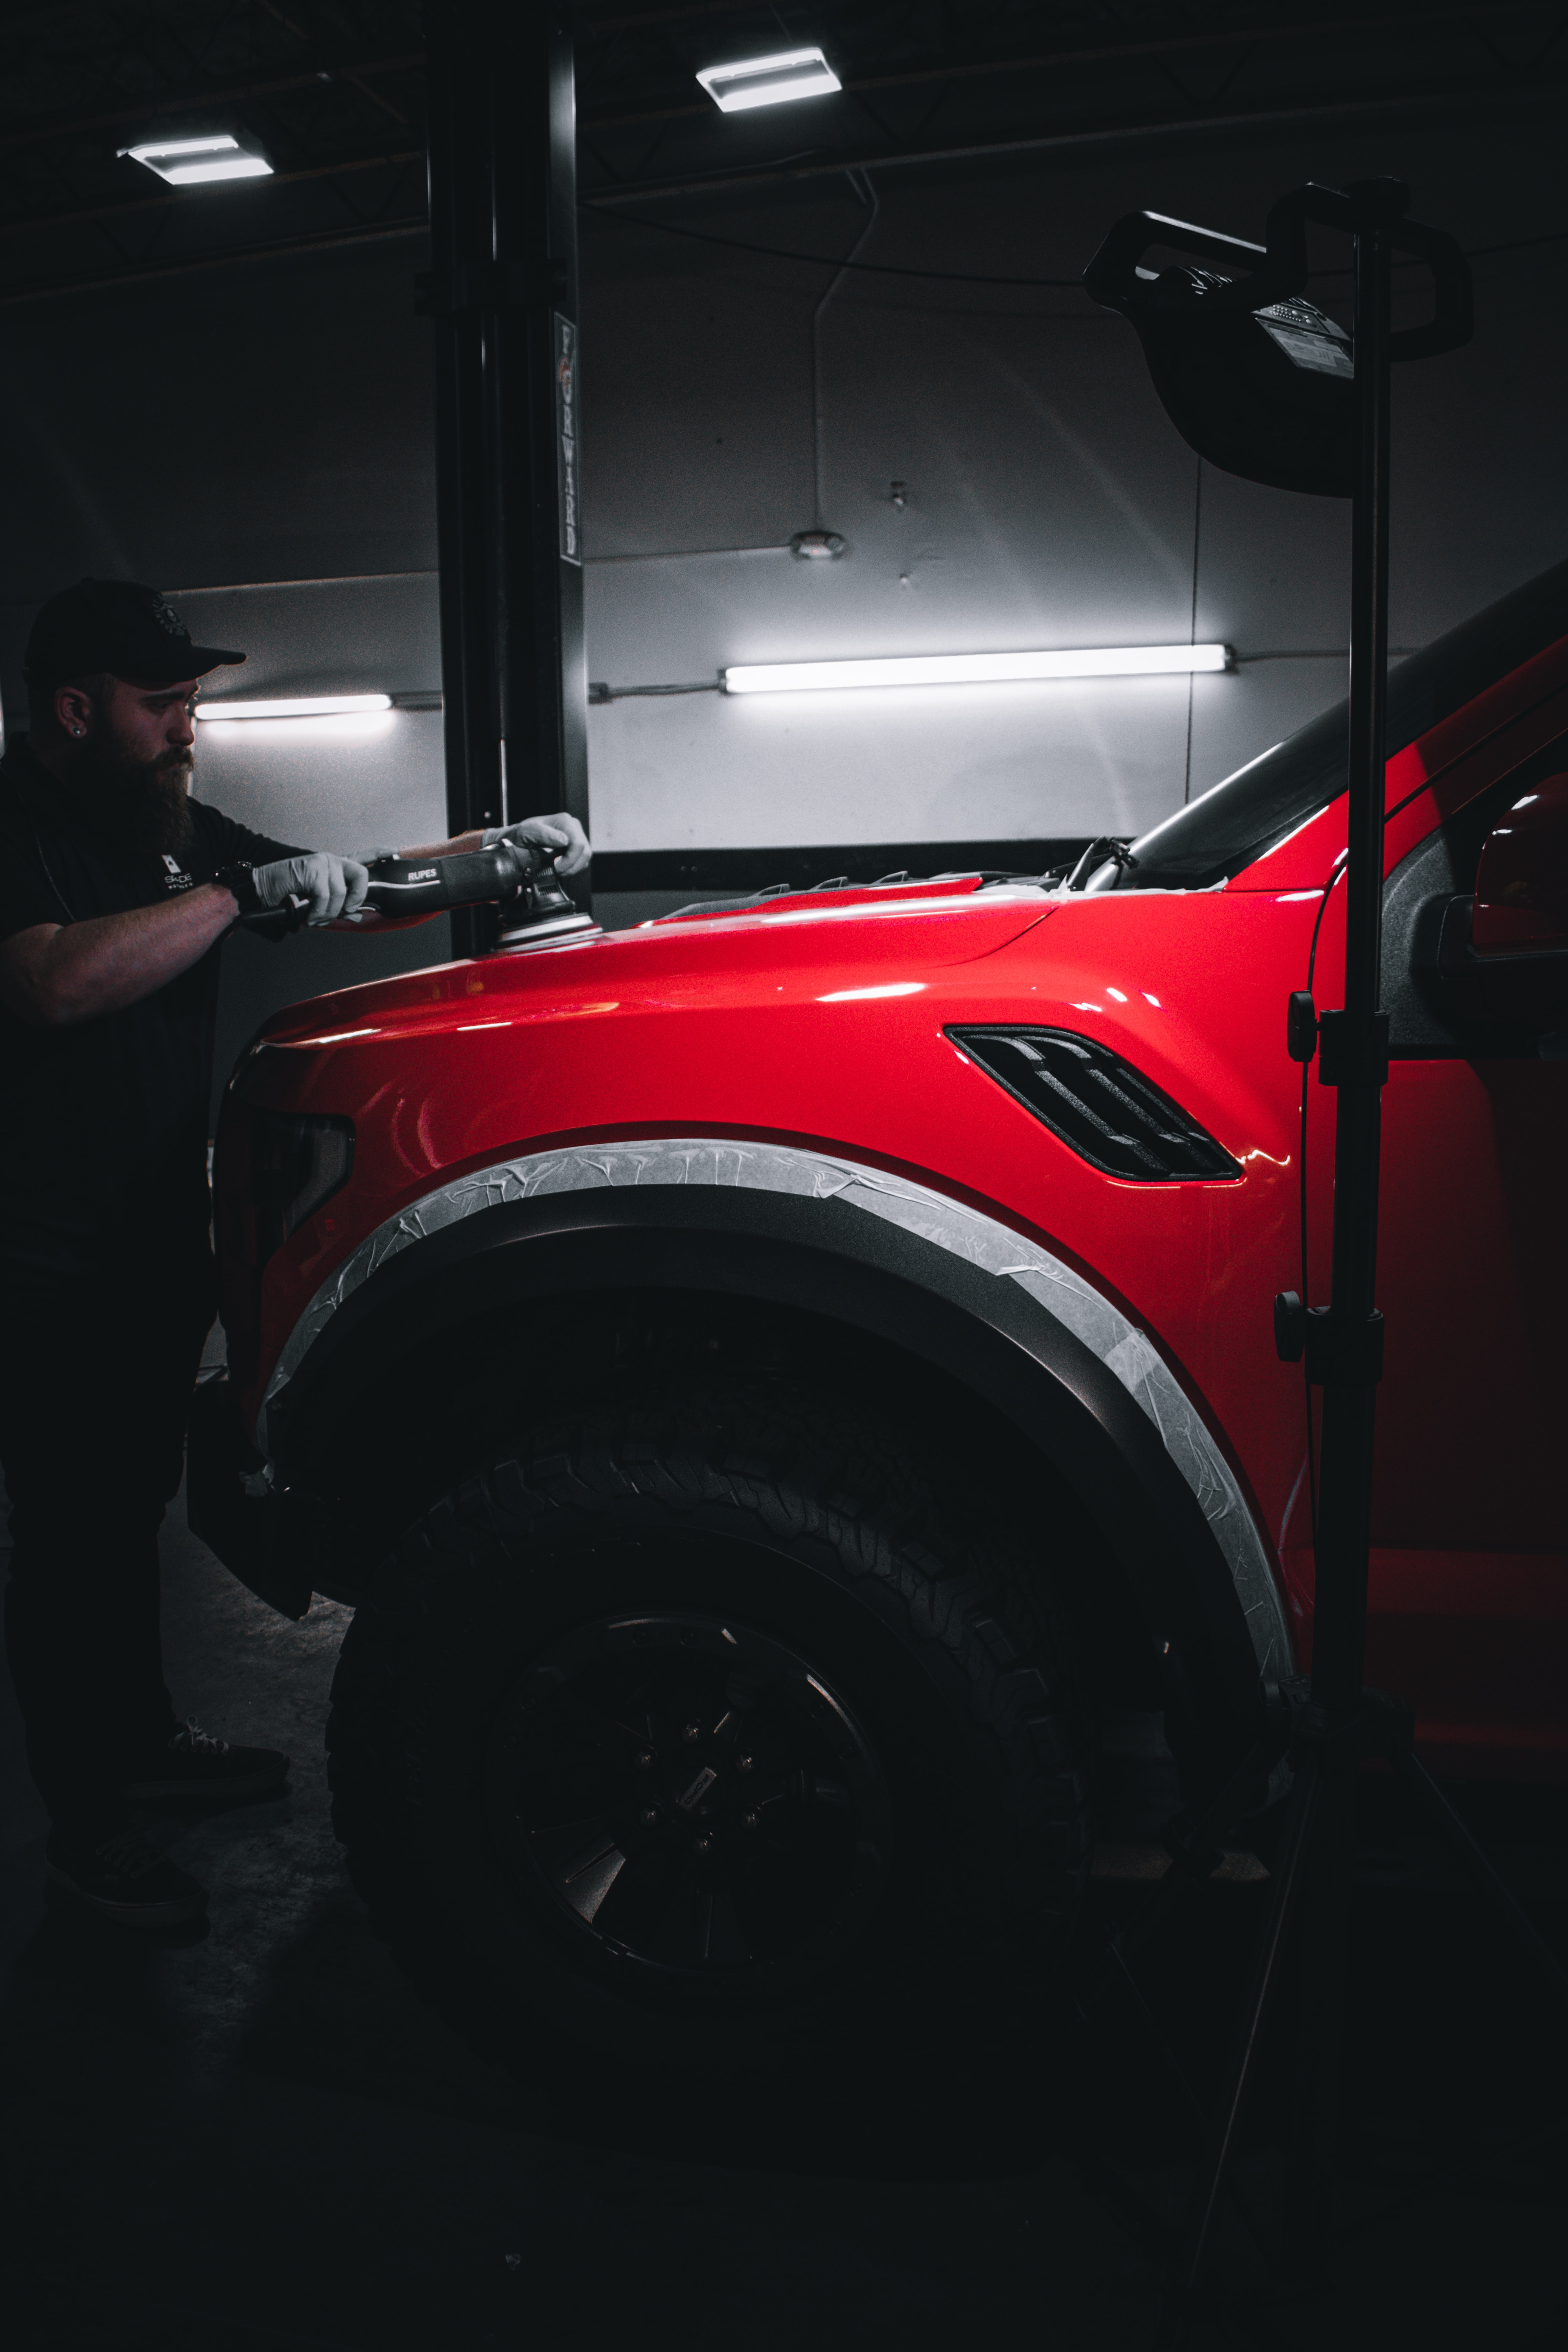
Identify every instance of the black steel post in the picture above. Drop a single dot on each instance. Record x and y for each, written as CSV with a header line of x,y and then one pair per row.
x,y
459,210
503,295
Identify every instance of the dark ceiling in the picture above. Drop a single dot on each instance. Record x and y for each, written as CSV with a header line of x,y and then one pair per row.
x,y
333,89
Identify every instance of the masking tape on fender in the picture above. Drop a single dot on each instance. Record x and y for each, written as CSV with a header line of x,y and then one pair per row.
x,y
979,1240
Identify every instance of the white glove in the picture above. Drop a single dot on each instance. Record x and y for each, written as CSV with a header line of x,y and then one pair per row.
x,y
332,886
561,836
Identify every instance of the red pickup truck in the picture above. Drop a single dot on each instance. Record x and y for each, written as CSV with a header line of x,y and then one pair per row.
x,y
772,1379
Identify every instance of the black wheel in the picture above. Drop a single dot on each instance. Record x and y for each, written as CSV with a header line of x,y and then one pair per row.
x,y
712,1724
693,1804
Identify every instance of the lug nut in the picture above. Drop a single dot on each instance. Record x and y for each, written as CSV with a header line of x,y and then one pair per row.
x,y
745,1764
750,1821
645,1761
692,1731
705,1844
649,1815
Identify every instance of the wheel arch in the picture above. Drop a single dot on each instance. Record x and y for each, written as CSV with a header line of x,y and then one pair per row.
x,y
856,1252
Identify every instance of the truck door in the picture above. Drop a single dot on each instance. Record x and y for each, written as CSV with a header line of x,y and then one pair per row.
x,y
1470,1584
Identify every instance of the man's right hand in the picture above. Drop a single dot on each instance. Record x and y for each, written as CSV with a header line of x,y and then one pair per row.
x,y
561,839
330,885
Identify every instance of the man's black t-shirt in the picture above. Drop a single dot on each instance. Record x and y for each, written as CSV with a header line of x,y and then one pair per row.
x,y
103,1131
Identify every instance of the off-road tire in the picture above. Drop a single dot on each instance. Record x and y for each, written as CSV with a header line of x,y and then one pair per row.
x,y
810,1523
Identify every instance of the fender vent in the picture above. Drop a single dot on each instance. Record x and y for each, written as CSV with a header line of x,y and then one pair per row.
x,y
1098,1104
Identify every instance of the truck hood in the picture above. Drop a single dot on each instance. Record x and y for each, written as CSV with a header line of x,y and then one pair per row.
x,y
863,942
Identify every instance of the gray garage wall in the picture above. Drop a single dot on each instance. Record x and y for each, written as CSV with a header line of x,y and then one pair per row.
x,y
237,429
347,784
1050,501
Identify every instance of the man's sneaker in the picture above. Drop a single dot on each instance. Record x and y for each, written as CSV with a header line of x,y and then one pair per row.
x,y
129,1878
193,1764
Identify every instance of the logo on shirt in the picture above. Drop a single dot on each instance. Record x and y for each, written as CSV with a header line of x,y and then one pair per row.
x,y
176,878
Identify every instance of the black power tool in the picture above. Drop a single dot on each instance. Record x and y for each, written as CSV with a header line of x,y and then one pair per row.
x,y
534,907
428,886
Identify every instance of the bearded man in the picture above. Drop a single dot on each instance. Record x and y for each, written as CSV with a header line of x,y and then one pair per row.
x,y
116,888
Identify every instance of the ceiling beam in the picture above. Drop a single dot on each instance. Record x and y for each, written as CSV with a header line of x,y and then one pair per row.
x,y
278,249
1362,29
22,224
1356,116
72,126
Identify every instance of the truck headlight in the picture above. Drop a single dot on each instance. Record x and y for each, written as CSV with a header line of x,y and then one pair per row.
x,y
298,1160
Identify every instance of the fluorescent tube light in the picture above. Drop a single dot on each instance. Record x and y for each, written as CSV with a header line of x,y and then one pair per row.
x,y
190,162
971,669
313,706
769,81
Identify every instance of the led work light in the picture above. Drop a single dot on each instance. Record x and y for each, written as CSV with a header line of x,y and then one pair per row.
x,y
769,81
192,163
1254,377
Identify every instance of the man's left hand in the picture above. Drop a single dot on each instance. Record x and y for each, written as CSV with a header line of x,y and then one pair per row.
x,y
560,837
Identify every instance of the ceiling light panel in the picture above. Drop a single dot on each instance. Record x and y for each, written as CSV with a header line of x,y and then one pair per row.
x,y
195,162
974,669
769,81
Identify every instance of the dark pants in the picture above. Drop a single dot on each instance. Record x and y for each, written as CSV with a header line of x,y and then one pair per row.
x,y
95,1386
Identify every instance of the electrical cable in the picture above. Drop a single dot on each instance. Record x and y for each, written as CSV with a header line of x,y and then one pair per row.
x,y
830,260
418,227
968,278
598,692
861,184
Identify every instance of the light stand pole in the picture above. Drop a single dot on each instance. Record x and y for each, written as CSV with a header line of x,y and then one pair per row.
x,y
1217,366
1345,1347
1344,1343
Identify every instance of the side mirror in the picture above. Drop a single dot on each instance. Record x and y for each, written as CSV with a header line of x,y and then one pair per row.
x,y
1521,883
1503,954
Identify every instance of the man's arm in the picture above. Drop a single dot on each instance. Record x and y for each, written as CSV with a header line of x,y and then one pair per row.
x,y
459,846
56,973
52,974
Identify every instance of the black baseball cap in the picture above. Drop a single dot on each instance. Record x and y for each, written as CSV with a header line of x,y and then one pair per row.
x,y
117,626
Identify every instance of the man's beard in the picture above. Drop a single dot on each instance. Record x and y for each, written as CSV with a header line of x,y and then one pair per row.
x,y
139,805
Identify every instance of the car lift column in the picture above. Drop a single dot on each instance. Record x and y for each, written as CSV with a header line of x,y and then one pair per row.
x,y
503,295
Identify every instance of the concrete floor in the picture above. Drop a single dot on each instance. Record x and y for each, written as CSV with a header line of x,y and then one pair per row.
x,y
286,2133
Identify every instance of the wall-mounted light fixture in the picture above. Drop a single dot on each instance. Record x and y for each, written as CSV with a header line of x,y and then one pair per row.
x,y
974,669
308,705
193,162
769,81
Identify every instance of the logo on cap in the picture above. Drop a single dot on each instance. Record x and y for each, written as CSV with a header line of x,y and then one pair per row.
x,y
166,617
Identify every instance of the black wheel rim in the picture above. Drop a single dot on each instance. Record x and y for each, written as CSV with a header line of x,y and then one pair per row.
x,y
692,1803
